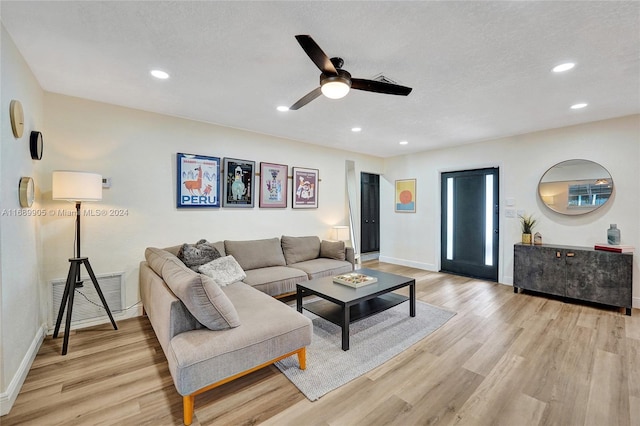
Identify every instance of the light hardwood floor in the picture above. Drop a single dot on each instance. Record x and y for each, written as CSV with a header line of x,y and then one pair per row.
x,y
504,359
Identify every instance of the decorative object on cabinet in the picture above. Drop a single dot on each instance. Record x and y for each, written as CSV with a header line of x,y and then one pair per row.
x,y
273,185
304,188
613,234
239,180
26,191
17,118
76,186
537,238
614,248
406,196
35,145
527,222
198,181
575,187
579,273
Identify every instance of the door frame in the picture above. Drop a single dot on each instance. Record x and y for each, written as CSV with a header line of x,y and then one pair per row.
x,y
502,279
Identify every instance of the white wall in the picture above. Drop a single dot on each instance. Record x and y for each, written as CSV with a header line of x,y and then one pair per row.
x,y
138,151
21,318
414,239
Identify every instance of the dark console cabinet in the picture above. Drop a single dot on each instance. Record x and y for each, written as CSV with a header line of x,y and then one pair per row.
x,y
580,273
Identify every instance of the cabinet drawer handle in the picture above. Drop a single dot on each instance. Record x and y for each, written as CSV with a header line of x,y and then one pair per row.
x,y
558,255
570,254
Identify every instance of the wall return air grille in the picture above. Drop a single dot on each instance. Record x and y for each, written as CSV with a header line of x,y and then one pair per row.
x,y
86,302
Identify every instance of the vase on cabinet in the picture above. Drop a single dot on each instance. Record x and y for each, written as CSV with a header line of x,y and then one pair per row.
x,y
526,238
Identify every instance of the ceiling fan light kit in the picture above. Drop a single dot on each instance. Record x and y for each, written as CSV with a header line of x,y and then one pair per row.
x,y
335,83
335,87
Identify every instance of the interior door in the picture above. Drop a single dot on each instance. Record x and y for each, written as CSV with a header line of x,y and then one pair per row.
x,y
370,212
470,226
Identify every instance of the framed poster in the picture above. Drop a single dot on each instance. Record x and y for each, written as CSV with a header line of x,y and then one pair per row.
x,y
239,178
273,185
304,188
198,181
406,196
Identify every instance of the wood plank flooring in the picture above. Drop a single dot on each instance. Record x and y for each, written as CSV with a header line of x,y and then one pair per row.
x,y
504,359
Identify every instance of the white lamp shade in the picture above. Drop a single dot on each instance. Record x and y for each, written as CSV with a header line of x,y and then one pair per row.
x,y
341,232
76,186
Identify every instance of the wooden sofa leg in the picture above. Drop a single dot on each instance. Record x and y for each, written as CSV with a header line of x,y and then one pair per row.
x,y
302,358
187,408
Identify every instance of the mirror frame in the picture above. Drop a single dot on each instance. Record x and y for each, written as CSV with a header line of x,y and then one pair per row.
x,y
549,201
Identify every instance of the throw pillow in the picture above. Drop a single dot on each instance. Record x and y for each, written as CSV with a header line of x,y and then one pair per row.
x,y
202,296
195,255
224,270
333,250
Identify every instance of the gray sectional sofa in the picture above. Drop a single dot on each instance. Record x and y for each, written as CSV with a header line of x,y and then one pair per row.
x,y
213,332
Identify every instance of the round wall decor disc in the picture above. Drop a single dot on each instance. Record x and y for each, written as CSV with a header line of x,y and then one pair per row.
x,y
35,145
17,118
26,191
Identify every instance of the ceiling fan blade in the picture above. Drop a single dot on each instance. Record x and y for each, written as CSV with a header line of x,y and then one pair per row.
x,y
379,87
306,99
316,54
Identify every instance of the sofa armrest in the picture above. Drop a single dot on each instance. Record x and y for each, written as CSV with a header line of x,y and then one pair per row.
x,y
350,256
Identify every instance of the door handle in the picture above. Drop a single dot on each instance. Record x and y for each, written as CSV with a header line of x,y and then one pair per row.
x,y
570,254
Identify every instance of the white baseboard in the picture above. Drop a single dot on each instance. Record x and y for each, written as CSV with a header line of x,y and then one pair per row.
x,y
410,263
9,397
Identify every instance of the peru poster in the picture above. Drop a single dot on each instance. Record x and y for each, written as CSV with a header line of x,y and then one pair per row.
x,y
198,181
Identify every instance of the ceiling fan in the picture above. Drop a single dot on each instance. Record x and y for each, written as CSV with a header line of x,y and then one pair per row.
x,y
336,82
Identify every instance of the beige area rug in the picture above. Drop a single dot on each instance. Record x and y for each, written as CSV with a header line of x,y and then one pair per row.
x,y
373,341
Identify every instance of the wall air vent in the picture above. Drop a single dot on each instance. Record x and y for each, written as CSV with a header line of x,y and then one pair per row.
x,y
86,302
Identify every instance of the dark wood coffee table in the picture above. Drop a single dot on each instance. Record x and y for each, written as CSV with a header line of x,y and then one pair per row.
x,y
343,305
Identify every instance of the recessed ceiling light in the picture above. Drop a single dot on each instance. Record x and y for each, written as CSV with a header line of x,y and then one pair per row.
x,y
159,74
404,143
356,129
563,67
579,106
282,108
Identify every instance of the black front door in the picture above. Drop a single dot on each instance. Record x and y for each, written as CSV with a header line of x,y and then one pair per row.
x,y
370,212
469,228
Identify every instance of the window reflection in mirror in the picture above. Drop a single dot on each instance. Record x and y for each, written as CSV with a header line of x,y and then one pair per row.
x,y
575,187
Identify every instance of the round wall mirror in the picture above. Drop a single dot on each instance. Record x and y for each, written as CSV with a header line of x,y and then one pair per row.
x,y
575,187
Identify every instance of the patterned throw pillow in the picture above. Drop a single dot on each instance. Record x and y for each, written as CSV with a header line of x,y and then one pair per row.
x,y
224,270
195,255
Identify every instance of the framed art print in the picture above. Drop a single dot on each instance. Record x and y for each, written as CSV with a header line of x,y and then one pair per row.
x,y
198,181
304,188
406,196
273,185
239,178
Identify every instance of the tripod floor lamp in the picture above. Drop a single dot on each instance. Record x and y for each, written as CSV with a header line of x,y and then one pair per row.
x,y
77,187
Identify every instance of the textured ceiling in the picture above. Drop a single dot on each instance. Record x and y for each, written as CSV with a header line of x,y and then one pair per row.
x,y
479,70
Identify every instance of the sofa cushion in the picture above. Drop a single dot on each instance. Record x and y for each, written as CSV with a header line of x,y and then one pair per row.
x,y
253,254
156,258
322,267
299,249
275,280
201,295
224,270
332,250
195,255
